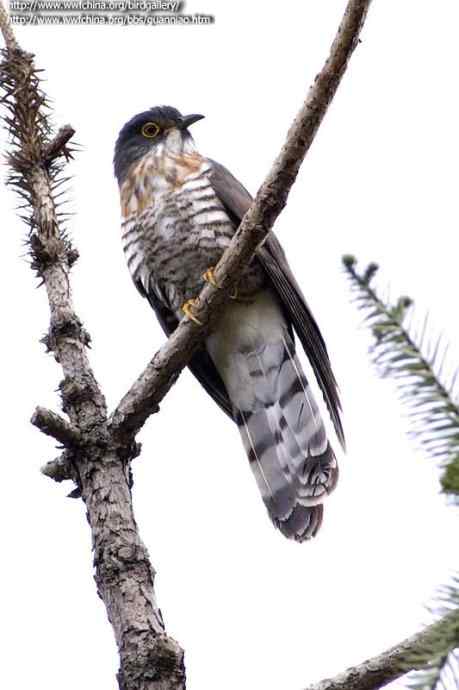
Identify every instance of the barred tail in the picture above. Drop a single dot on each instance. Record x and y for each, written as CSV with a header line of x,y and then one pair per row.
x,y
285,440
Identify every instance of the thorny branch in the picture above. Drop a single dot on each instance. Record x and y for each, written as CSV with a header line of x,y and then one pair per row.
x,y
57,146
98,448
149,659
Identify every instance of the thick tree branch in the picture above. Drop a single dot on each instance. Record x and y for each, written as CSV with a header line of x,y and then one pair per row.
x,y
412,654
143,398
149,659
60,469
56,426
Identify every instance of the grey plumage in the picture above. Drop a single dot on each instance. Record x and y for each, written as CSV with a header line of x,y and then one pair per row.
x,y
180,211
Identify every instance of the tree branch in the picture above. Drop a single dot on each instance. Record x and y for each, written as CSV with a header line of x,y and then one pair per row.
x,y
60,469
410,655
416,362
143,398
149,659
56,426
7,30
57,146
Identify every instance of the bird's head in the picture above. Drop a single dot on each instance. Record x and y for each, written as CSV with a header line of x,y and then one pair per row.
x,y
162,126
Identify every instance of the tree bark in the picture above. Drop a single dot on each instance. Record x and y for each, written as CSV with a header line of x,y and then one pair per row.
x,y
149,659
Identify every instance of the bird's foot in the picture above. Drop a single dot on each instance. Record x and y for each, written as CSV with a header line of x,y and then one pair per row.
x,y
209,277
187,309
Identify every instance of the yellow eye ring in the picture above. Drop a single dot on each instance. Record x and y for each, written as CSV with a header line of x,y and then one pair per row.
x,y
150,130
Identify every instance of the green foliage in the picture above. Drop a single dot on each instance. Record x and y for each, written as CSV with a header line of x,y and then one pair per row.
x,y
417,366
442,670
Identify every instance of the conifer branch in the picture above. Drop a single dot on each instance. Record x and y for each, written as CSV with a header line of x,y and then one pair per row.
x,y
417,364
442,671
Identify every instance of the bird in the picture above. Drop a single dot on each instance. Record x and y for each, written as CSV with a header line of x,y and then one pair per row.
x,y
179,212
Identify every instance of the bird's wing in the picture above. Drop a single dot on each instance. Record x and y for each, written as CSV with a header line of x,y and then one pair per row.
x,y
270,254
201,364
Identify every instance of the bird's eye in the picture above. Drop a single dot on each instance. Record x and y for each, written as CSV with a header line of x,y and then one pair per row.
x,y
150,130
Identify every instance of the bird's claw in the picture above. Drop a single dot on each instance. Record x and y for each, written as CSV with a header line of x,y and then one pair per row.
x,y
209,277
187,309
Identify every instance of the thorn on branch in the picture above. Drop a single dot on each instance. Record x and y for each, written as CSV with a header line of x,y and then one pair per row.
x,y
72,257
56,426
57,146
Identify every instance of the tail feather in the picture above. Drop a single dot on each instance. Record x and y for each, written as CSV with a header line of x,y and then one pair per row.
x,y
303,523
285,440
279,421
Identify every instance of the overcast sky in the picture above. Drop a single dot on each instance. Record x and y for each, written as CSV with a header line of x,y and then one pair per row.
x,y
251,609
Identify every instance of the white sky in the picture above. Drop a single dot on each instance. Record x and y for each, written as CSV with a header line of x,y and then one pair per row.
x,y
251,609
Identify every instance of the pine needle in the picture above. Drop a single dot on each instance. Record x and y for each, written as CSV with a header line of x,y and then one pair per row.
x,y
442,669
417,364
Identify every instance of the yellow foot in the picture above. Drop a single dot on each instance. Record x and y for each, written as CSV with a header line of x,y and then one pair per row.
x,y
209,277
187,309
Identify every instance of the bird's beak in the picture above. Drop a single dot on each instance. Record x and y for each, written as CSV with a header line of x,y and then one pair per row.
x,y
189,120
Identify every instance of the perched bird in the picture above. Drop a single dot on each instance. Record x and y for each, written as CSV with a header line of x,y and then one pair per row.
x,y
179,213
